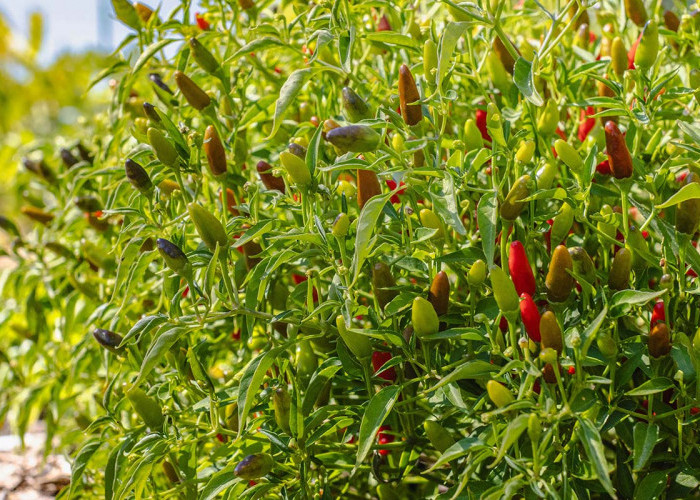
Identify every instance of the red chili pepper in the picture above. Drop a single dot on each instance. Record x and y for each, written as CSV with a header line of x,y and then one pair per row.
x,y
658,314
548,236
694,410
383,24
633,52
236,334
560,133
531,316
185,292
586,124
481,124
384,438
520,270
201,22
379,358
221,437
603,168
503,324
391,184
572,370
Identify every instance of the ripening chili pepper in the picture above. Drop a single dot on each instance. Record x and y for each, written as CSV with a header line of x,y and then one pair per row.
x,y
296,169
607,346
525,151
170,472
530,316
209,228
559,282
430,60
379,359
203,57
430,220
439,293
250,250
40,169
408,94
568,154
359,344
151,113
147,407
583,264
158,82
354,138
126,13
37,214
499,394
671,20
194,95
438,436
562,224
503,54
424,318
281,404
618,154
67,158
109,340
254,466
163,148
514,204
270,181
341,224
297,150
174,258
472,136
546,174
549,118
520,270
367,186
658,313
619,275
636,12
688,211
659,340
215,152
144,11
480,117
477,273
648,48
355,107
504,291
550,332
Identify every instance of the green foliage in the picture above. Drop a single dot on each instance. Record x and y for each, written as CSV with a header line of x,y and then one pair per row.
x,y
178,331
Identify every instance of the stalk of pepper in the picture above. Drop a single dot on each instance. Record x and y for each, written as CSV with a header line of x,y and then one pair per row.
x,y
193,94
530,316
559,282
648,47
424,318
618,154
356,109
514,204
354,138
408,93
209,228
439,294
619,276
659,340
270,181
359,345
215,152
109,340
520,270
367,186
148,408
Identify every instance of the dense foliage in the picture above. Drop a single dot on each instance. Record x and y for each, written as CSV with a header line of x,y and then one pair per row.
x,y
370,249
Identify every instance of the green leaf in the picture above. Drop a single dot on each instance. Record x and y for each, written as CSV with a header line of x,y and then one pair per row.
x,y
593,445
589,334
81,461
513,431
288,93
645,437
652,486
219,482
150,52
143,326
688,192
522,77
457,450
469,370
159,346
625,299
378,408
312,150
255,46
393,38
653,386
252,378
318,381
487,217
366,223
448,41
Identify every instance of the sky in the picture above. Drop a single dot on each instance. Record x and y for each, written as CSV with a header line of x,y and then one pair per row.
x,y
72,24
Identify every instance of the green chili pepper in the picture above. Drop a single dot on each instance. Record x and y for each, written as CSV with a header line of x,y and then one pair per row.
x,y
209,228
281,404
432,221
163,148
296,168
559,282
477,273
562,224
354,138
499,394
438,436
359,345
514,204
534,429
607,346
583,264
430,60
356,109
148,408
194,95
618,54
254,466
424,318
648,47
568,154
525,151
341,225
203,57
504,291
109,340
549,119
494,124
472,136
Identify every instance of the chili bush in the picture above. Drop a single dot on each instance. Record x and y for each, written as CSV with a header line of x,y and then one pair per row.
x,y
372,249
